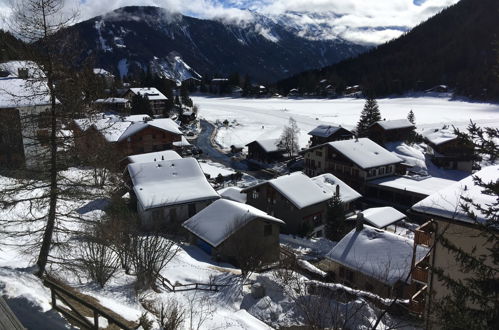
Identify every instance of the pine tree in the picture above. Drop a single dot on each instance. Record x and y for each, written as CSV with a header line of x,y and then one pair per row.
x,y
411,117
369,115
335,219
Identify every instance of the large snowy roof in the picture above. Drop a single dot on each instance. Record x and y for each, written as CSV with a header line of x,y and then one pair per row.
x,y
233,193
394,124
365,153
170,182
329,182
112,100
218,221
446,203
324,130
154,156
423,186
16,93
150,92
299,189
12,67
214,169
381,217
376,253
269,145
439,136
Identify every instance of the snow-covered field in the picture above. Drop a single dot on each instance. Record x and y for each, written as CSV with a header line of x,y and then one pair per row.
x,y
252,119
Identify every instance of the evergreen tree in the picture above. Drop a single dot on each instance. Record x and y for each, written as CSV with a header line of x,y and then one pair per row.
x,y
411,117
335,219
369,115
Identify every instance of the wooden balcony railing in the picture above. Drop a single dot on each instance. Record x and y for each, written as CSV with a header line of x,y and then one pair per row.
x,y
417,302
420,274
423,234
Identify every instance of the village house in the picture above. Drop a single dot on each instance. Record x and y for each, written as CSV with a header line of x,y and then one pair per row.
x,y
106,76
151,157
448,222
156,99
124,136
327,133
24,115
168,192
447,151
354,161
117,105
233,194
236,232
265,151
219,86
373,260
384,131
380,217
301,202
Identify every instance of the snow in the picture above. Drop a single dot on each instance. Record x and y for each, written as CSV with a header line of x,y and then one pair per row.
x,y
170,182
182,143
173,68
324,130
154,156
329,182
233,194
112,100
411,155
447,202
299,189
269,145
102,72
222,218
439,135
12,67
214,169
394,124
165,124
16,92
424,186
365,153
150,92
376,253
264,118
123,67
381,217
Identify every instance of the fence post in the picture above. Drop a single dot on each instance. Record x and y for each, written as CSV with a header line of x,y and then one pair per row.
x,y
96,319
52,294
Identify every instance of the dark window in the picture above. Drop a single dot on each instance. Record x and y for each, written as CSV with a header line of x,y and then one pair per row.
x,y
342,272
267,230
192,210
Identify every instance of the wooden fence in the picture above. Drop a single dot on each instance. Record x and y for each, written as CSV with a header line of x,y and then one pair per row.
x,y
177,287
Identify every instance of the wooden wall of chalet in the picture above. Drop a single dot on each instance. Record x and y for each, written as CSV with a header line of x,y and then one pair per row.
x,y
379,135
256,152
11,140
148,140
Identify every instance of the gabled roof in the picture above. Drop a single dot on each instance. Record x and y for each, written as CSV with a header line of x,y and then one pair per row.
x,y
12,67
170,182
446,203
299,189
102,72
112,100
394,124
324,130
329,182
154,156
439,136
381,217
15,92
233,194
221,219
365,153
422,186
150,92
377,253
269,145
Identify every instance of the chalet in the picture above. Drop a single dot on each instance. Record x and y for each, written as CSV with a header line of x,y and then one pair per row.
x,y
449,225
301,202
24,115
233,194
384,131
327,133
373,260
168,192
354,161
117,105
219,86
106,76
448,151
236,232
156,99
151,157
265,151
124,136
380,217
294,92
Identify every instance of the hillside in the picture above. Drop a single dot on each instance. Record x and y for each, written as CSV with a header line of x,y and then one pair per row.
x,y
457,47
10,47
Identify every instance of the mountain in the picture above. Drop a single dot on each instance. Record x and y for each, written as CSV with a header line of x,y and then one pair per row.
x,y
131,37
11,48
457,47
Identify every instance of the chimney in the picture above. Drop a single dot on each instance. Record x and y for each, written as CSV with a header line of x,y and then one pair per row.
x,y
22,73
163,157
337,190
359,222
154,159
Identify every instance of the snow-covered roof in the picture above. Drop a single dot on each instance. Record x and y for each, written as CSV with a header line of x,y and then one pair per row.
x,y
381,217
365,153
214,169
424,186
16,93
329,182
222,218
154,156
299,189
394,124
182,143
439,136
170,182
233,193
324,130
102,72
269,145
376,253
446,203
151,93
112,100
12,67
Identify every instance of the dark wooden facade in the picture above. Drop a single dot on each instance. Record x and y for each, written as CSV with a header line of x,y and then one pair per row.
x,y
339,134
380,135
11,139
258,153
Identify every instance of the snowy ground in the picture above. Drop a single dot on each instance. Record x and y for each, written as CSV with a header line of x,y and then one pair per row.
x,y
252,119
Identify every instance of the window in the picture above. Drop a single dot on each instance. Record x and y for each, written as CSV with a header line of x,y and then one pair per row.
x,y
267,230
382,170
192,209
318,153
254,194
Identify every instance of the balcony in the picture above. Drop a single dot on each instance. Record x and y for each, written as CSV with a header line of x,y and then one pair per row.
x,y
417,302
420,271
423,234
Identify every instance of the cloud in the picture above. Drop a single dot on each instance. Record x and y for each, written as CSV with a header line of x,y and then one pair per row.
x,y
369,22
